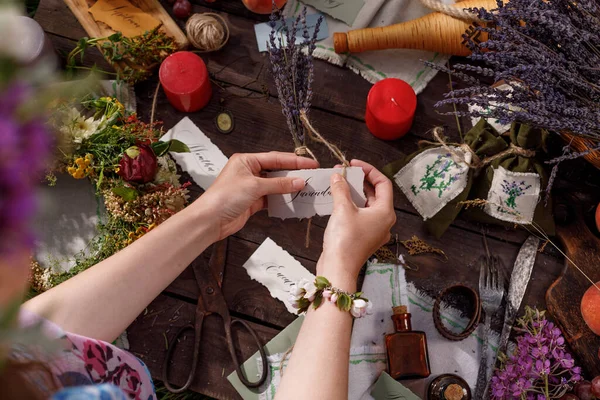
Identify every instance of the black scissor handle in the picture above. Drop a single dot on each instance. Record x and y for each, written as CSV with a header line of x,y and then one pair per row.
x,y
238,368
197,328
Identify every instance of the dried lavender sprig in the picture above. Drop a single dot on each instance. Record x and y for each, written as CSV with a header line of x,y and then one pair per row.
x,y
293,68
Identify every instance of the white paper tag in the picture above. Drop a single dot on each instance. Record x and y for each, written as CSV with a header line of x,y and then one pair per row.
x,y
432,179
205,160
513,196
276,269
316,196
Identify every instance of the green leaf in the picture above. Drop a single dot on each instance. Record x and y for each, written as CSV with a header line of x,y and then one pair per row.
x,y
318,300
83,43
160,148
100,177
321,282
128,194
344,302
115,37
177,146
357,295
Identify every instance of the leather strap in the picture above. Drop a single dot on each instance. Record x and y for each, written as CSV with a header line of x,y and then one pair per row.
x,y
473,322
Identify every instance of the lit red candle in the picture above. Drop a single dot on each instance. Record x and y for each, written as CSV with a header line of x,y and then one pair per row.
x,y
184,78
391,106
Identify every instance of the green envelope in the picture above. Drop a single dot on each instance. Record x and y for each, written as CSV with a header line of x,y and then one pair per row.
x,y
386,388
279,344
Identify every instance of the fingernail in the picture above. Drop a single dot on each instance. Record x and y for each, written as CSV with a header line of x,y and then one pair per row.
x,y
298,184
336,178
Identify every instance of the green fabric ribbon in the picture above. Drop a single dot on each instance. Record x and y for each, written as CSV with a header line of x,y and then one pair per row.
x,y
485,142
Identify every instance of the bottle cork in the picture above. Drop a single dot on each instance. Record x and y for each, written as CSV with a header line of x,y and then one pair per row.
x,y
400,310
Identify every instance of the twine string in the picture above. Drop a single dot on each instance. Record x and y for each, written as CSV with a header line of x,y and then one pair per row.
x,y
207,32
314,135
450,10
476,161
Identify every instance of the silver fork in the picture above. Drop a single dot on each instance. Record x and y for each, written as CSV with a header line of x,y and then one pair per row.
x,y
491,291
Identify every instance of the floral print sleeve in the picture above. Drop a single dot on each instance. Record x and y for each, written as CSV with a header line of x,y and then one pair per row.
x,y
93,369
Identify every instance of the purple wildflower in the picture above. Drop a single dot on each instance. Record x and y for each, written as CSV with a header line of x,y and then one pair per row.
x,y
23,153
540,363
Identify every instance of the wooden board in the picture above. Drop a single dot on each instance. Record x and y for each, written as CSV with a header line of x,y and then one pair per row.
x,y
563,298
96,29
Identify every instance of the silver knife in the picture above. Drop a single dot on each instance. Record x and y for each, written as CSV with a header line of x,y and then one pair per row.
x,y
519,280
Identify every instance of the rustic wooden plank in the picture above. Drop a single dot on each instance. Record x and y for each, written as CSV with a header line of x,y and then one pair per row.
x,y
564,296
152,330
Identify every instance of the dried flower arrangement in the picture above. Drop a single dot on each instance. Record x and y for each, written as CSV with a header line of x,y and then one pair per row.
x,y
540,366
133,58
130,169
547,53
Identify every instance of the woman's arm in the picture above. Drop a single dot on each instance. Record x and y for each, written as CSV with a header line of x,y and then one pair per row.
x,y
318,368
103,300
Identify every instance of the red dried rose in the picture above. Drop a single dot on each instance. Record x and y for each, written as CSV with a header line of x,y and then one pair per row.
x,y
138,164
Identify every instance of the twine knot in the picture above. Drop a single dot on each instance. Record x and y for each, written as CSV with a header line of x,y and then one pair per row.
x,y
476,161
207,31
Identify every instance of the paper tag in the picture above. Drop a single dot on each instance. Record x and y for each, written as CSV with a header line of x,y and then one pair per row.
x,y
316,196
205,160
263,31
123,17
432,179
344,10
513,196
277,270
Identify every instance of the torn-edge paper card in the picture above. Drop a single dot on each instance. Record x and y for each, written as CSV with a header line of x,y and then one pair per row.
x,y
277,270
205,160
344,10
316,196
263,31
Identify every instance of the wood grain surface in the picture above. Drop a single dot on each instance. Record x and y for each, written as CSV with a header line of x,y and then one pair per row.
x,y
564,295
243,85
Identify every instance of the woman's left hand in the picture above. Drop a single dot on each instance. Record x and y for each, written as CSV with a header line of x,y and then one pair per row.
x,y
240,191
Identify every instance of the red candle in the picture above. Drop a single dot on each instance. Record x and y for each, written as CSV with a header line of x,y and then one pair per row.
x,y
391,106
184,78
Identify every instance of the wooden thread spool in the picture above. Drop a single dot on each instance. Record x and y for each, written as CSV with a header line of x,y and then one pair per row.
x,y
433,32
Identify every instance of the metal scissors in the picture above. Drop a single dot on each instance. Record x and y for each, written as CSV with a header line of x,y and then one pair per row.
x,y
211,301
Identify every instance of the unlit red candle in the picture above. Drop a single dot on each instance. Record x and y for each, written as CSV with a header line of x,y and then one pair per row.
x,y
391,106
184,78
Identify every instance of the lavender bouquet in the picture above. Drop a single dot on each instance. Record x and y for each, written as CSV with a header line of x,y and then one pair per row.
x,y
540,367
548,53
293,70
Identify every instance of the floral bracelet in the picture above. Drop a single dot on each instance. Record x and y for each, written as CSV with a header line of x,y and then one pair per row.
x,y
305,292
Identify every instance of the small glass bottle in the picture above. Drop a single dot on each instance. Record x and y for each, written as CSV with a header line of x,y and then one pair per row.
x,y
406,349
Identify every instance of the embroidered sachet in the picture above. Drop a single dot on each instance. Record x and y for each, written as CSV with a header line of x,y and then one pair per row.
x,y
433,178
513,196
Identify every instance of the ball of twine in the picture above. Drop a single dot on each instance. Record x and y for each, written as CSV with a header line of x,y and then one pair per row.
x,y
207,31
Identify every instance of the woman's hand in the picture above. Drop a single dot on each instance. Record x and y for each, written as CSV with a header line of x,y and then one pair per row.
x,y
353,234
240,191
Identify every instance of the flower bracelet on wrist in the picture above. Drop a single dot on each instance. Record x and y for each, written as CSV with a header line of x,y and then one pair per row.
x,y
305,292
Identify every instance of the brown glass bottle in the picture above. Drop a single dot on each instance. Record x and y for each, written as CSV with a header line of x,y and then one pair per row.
x,y
406,349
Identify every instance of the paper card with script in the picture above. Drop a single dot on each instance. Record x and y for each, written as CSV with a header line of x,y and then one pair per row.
x,y
205,160
277,270
124,17
263,31
344,10
316,196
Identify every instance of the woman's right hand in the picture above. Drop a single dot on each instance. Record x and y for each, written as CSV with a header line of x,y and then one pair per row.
x,y
353,234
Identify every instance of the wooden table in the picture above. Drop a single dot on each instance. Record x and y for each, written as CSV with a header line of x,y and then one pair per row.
x,y
246,89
